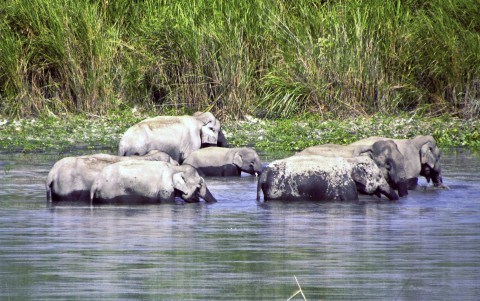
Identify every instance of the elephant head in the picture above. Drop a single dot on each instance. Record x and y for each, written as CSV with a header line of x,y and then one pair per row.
x,y
191,185
248,161
429,158
388,158
369,179
210,129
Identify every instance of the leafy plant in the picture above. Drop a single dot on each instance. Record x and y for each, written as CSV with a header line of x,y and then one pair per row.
x,y
276,58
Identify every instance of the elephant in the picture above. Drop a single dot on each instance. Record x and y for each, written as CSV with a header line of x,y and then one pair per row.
x,y
384,153
421,155
221,161
141,182
321,178
178,136
71,178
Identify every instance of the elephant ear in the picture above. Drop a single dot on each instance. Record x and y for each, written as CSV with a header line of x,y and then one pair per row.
x,y
380,152
362,150
365,150
179,182
208,135
210,128
237,159
427,156
359,172
425,145
364,174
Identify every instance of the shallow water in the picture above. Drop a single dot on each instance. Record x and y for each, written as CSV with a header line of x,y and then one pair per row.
x,y
424,247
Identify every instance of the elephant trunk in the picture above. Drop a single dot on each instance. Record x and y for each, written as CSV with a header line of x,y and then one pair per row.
x,y
390,194
257,169
221,141
259,189
262,179
436,178
399,178
437,174
402,188
208,197
399,182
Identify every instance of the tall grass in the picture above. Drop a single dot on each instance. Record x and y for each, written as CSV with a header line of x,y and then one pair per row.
x,y
238,57
60,57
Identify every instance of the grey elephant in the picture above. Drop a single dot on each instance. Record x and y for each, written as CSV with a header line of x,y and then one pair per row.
x,y
384,153
71,178
322,179
141,182
421,155
221,161
178,136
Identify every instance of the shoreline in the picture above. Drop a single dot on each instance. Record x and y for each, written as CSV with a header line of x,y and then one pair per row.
x,y
61,133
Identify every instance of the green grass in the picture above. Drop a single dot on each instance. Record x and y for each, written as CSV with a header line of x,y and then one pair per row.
x,y
280,136
267,58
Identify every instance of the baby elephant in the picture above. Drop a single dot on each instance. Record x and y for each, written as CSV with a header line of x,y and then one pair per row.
x,y
323,179
141,182
221,161
71,178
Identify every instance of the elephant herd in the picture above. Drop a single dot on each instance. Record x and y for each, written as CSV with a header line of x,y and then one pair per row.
x,y
165,157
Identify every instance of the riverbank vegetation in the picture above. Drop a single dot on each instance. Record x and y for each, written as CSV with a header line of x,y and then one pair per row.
x,y
272,58
281,136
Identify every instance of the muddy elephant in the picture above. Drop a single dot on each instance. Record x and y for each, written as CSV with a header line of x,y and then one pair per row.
x,y
221,161
384,153
321,178
71,178
178,136
141,182
421,155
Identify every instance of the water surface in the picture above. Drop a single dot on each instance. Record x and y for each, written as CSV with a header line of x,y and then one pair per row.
x,y
424,247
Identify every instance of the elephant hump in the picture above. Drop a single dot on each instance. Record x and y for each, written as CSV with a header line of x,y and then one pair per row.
x,y
102,159
328,150
368,141
160,122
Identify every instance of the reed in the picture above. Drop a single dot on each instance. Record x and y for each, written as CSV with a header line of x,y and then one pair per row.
x,y
276,58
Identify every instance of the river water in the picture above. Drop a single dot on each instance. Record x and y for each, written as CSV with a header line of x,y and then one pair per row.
x,y
424,247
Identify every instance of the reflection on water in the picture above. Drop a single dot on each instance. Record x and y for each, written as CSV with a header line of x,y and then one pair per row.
x,y
424,247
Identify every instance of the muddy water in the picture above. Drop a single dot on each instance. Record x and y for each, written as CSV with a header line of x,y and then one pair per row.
x,y
423,247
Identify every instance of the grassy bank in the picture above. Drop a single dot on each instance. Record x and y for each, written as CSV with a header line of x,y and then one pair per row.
x,y
62,133
264,58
